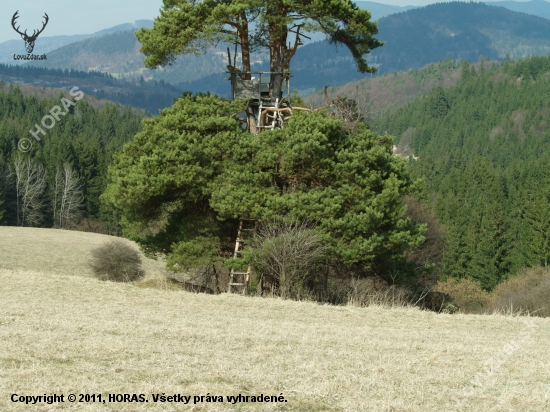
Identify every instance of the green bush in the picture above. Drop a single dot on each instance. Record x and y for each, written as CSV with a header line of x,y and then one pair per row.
x,y
116,261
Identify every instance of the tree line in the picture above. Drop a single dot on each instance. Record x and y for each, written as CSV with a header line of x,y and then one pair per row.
x,y
60,179
482,148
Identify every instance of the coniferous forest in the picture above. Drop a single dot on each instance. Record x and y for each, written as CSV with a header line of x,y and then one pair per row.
x,y
56,182
482,148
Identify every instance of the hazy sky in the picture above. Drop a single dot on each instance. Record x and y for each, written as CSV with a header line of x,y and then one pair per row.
x,y
73,16
69,17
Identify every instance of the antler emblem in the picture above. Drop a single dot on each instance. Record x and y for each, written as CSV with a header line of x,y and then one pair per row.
x,y
29,40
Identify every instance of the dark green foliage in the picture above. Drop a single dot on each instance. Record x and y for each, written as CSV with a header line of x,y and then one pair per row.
x,y
438,105
162,180
486,165
183,182
116,261
86,138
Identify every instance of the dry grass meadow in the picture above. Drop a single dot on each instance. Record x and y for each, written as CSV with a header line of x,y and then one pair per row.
x,y
62,331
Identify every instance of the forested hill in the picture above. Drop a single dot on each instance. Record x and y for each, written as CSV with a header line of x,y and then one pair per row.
x,y
151,96
413,39
458,30
84,138
484,149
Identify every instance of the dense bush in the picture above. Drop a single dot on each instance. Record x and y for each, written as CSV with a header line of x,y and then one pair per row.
x,y
116,261
286,250
528,291
465,295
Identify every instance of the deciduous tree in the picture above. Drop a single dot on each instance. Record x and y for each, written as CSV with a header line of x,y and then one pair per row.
x,y
29,177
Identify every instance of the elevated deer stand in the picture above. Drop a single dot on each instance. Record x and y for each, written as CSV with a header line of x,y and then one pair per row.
x,y
264,112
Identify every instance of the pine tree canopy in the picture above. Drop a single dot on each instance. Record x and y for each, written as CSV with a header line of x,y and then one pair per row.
x,y
188,26
191,172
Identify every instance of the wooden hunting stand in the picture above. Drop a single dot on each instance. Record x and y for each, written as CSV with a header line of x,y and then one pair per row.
x,y
269,112
266,112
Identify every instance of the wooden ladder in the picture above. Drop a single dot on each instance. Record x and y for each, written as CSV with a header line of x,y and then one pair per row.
x,y
234,275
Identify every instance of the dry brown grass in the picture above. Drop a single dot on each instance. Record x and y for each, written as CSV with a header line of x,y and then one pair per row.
x,y
69,334
61,332
63,252
527,291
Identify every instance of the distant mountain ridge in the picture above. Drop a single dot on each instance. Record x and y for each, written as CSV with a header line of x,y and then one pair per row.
x,y
414,38
151,96
47,44
378,10
538,8
458,30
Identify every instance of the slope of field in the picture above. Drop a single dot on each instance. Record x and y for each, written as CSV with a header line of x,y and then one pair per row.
x,y
66,333
64,252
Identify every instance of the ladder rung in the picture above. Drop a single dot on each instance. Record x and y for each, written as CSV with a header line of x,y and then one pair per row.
x,y
236,284
239,273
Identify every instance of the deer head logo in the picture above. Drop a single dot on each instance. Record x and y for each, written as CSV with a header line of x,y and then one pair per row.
x,y
29,40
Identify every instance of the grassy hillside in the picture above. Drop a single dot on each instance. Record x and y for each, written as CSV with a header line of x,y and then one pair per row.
x,y
63,252
71,334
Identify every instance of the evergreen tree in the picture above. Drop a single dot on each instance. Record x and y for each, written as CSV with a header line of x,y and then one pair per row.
x,y
193,171
187,26
486,166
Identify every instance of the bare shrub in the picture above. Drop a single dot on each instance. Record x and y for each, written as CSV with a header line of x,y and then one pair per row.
x,y
465,294
211,279
528,291
372,291
286,250
116,261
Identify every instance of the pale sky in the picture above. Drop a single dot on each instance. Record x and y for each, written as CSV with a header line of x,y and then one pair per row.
x,y
68,17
